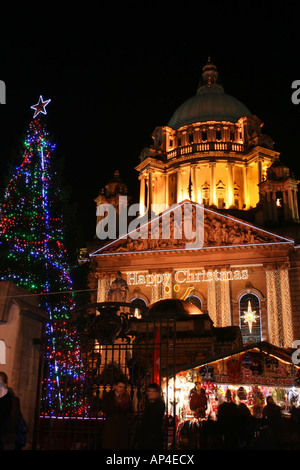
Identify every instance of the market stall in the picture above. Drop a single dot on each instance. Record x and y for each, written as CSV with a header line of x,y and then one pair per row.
x,y
249,376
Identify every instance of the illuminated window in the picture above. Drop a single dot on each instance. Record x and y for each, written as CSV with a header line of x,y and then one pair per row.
x,y
139,305
250,322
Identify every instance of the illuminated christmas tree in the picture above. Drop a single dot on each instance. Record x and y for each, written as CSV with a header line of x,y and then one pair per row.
x,y
34,257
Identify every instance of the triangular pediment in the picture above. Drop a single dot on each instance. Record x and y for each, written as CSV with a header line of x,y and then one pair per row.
x,y
218,230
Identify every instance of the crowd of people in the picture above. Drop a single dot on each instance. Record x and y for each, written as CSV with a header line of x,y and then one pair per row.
x,y
240,429
121,432
235,427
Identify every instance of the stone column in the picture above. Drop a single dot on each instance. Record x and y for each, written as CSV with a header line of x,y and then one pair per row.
x,y
101,290
263,195
296,212
246,192
212,301
179,186
286,306
212,196
167,189
273,327
259,171
285,205
156,289
142,195
194,184
154,189
218,300
150,190
225,306
269,205
274,206
230,184
280,328
198,197
290,204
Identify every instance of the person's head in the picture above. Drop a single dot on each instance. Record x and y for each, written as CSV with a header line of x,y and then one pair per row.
x,y
3,379
153,391
119,387
269,400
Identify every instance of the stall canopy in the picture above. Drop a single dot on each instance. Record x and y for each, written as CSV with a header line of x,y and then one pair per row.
x,y
256,364
248,374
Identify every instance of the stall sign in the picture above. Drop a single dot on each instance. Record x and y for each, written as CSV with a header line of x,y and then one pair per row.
x,y
259,380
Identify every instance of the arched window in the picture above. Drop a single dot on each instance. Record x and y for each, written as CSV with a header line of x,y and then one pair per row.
x,y
250,323
194,299
139,305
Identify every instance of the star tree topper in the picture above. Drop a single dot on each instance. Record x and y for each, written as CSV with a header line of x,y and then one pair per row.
x,y
40,106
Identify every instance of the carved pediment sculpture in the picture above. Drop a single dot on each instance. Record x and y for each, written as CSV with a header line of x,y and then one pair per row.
x,y
218,231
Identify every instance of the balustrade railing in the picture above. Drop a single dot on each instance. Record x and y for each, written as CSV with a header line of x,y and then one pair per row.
x,y
205,147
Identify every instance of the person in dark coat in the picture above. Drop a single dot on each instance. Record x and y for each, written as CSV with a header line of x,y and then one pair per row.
x,y
152,420
228,424
274,421
245,425
9,415
117,409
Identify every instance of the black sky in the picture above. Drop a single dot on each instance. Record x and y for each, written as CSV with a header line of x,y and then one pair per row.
x,y
115,73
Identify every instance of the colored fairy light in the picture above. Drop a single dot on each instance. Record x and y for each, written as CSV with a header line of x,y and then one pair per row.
x,y
35,258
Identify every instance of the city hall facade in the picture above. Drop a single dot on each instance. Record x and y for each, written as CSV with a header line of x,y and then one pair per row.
x,y
211,157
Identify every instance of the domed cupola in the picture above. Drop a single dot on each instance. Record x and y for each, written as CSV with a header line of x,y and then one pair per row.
x,y
212,151
210,103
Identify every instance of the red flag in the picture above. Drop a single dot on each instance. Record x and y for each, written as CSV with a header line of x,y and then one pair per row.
x,y
156,360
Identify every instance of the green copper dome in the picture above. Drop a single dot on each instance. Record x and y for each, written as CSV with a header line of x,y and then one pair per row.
x,y
210,103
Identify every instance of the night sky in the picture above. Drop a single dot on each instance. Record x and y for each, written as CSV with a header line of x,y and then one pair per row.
x,y
113,74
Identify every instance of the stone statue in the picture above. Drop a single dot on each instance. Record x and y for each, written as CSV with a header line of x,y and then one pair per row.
x,y
118,290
